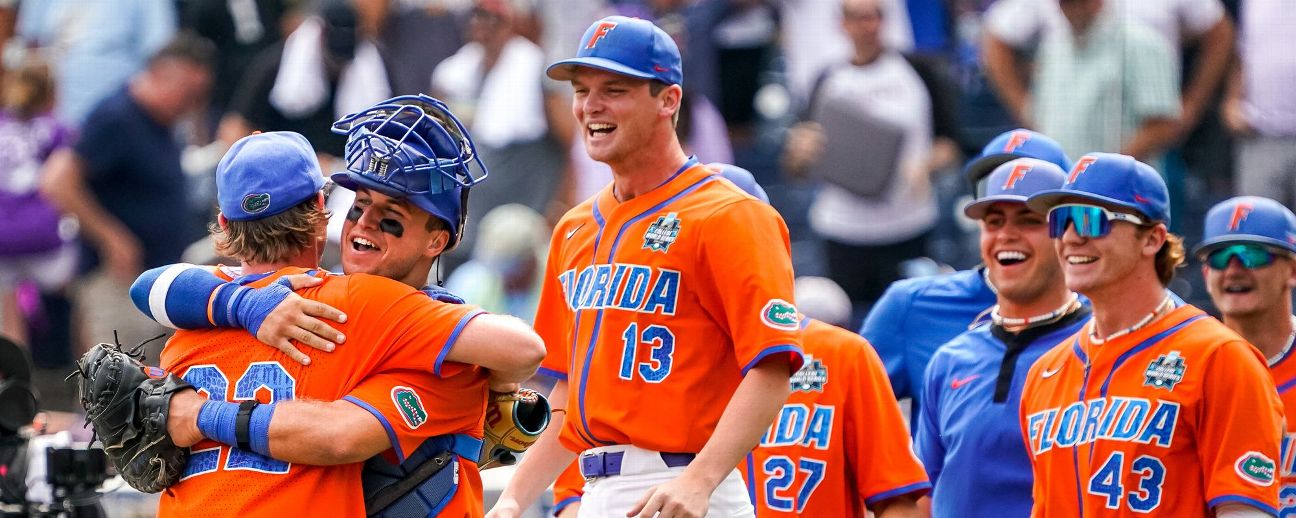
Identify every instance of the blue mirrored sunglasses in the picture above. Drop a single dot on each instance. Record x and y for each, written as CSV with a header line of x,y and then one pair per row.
x,y
1089,220
1251,256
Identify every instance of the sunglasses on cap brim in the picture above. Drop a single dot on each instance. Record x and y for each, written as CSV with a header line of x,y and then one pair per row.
x,y
1089,220
1249,255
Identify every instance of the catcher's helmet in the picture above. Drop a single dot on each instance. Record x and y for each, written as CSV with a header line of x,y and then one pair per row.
x,y
412,147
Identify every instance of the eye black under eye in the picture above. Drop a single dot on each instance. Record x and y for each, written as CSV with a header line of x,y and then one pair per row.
x,y
391,226
354,214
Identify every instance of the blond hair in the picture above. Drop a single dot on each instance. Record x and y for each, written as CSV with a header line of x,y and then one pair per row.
x,y
1169,258
273,239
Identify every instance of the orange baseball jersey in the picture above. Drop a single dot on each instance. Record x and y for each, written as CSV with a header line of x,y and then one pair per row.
x,y
1284,374
654,308
390,327
568,488
1175,418
840,441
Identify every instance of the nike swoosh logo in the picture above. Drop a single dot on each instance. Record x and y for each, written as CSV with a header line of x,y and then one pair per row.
x,y
1049,373
956,384
572,232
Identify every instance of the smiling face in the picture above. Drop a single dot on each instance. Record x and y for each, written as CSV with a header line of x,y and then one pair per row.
x,y
1241,292
618,114
389,237
1018,255
1092,265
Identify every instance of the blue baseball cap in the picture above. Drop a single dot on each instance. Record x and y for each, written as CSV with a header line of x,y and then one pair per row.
x,y
741,178
1248,219
1113,180
628,46
1011,145
264,174
1015,181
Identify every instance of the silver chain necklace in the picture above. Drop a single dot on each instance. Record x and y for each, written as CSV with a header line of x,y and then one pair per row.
x,y
1290,338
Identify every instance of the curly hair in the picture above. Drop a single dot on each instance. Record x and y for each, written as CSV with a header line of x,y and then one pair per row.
x,y
272,239
1169,258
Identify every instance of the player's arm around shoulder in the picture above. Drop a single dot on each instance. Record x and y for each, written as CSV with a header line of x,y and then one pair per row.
x,y
504,344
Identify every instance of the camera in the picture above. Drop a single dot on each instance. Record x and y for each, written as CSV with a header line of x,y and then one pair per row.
x,y
72,475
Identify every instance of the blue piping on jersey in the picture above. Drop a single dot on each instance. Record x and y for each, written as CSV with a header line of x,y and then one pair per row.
x,y
751,478
454,336
560,376
1225,499
1153,340
391,433
902,490
598,316
584,431
562,504
1287,385
774,349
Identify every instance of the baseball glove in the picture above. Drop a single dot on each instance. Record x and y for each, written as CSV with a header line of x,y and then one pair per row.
x,y
127,403
514,421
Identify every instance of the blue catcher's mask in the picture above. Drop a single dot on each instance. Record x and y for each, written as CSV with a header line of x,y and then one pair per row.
x,y
412,147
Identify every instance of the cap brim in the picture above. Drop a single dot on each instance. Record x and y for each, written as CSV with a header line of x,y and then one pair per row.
x,y
978,208
1213,243
564,70
983,166
1043,201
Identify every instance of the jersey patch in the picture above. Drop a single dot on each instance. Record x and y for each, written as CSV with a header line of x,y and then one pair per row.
x,y
410,405
780,314
1165,372
1255,468
662,233
812,377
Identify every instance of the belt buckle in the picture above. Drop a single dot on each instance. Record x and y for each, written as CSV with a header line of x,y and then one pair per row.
x,y
601,458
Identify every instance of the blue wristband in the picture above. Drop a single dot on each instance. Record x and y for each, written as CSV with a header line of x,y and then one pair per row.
x,y
217,421
252,306
259,428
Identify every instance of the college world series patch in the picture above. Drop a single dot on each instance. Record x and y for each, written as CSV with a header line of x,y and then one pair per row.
x,y
411,407
662,233
1164,372
812,377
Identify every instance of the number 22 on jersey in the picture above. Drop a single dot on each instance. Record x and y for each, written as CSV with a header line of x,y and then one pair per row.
x,y
269,376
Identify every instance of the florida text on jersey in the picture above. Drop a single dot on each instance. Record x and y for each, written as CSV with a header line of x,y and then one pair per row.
x,y
665,300
1178,418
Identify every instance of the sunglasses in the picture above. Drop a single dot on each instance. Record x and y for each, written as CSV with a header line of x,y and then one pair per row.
x,y
1089,220
1251,256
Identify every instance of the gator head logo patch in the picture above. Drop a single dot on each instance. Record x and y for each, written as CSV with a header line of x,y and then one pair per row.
x,y
256,203
410,406
780,314
812,377
1164,372
1255,468
662,233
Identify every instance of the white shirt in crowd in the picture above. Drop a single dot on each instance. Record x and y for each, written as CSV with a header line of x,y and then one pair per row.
x,y
1267,45
504,107
889,90
1021,23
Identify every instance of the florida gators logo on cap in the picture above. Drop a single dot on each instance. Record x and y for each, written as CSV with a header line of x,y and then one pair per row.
x,y
1240,213
1016,140
256,202
1018,172
1081,166
599,33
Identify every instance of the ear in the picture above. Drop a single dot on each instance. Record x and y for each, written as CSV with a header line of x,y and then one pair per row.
x,y
220,220
1156,237
1291,268
671,98
437,245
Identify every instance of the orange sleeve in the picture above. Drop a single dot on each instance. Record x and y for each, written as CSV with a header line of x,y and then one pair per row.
x,y
568,488
553,315
1241,429
414,406
877,441
746,256
415,331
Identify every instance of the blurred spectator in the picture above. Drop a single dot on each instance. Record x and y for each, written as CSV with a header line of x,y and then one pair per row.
x,y
32,250
811,41
507,265
94,46
1018,25
1259,106
745,40
1107,84
879,84
416,35
123,182
822,299
328,67
241,29
494,83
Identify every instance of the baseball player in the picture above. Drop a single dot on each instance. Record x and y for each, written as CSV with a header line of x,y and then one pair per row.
x,y
402,217
1152,406
915,316
661,261
274,486
1247,254
967,432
